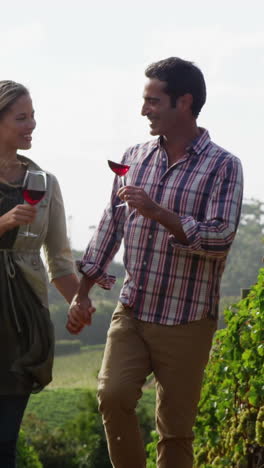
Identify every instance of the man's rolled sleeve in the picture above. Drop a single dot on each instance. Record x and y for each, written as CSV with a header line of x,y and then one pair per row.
x,y
214,235
95,273
205,240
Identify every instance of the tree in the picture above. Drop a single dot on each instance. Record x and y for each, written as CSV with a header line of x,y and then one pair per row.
x,y
230,422
245,258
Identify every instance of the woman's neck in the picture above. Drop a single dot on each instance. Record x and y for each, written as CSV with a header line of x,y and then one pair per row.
x,y
8,154
11,169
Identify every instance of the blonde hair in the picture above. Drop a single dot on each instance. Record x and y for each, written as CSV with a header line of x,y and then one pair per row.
x,y
10,91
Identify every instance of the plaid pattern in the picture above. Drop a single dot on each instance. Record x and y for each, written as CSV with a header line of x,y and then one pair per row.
x,y
167,282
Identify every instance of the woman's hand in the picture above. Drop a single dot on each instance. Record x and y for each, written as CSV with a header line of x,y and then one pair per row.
x,y
19,215
80,314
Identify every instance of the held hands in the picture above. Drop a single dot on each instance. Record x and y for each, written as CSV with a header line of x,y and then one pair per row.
x,y
80,314
136,197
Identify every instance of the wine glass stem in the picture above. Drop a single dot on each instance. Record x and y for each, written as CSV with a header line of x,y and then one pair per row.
x,y
122,179
27,230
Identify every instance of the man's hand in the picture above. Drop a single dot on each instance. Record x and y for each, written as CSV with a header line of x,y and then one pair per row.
x,y
136,197
80,314
139,199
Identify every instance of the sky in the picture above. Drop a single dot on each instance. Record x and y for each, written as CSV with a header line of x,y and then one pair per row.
x,y
84,63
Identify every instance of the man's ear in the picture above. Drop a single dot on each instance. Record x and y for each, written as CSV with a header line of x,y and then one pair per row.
x,y
186,102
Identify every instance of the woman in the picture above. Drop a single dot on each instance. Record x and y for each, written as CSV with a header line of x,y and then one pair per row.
x,y
26,332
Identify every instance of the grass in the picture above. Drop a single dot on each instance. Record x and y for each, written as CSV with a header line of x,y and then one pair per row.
x,y
77,370
54,407
72,376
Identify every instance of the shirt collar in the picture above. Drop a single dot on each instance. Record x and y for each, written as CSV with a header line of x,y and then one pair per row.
x,y
197,146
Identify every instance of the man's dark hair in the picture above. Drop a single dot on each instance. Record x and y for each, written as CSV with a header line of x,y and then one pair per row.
x,y
181,77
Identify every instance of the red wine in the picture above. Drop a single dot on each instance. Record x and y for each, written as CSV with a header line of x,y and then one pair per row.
x,y
33,196
118,169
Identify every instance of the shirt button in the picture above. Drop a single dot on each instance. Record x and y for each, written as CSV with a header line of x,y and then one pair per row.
x,y
144,263
164,159
140,288
161,183
150,236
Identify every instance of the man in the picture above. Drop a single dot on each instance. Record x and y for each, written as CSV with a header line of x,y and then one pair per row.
x,y
183,196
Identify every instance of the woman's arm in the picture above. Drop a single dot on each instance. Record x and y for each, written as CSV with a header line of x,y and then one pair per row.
x,y
67,286
59,256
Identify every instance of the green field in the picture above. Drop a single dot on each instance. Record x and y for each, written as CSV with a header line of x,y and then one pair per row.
x,y
73,375
54,407
77,370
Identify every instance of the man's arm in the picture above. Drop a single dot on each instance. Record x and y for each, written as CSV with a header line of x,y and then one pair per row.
x,y
99,253
214,235
137,198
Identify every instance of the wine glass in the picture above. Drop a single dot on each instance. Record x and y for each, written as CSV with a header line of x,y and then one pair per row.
x,y
120,170
33,190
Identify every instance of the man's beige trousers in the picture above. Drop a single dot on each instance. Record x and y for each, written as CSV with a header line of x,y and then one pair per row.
x,y
177,355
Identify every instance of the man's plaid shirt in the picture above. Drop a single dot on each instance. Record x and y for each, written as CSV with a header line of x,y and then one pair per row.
x,y
167,282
